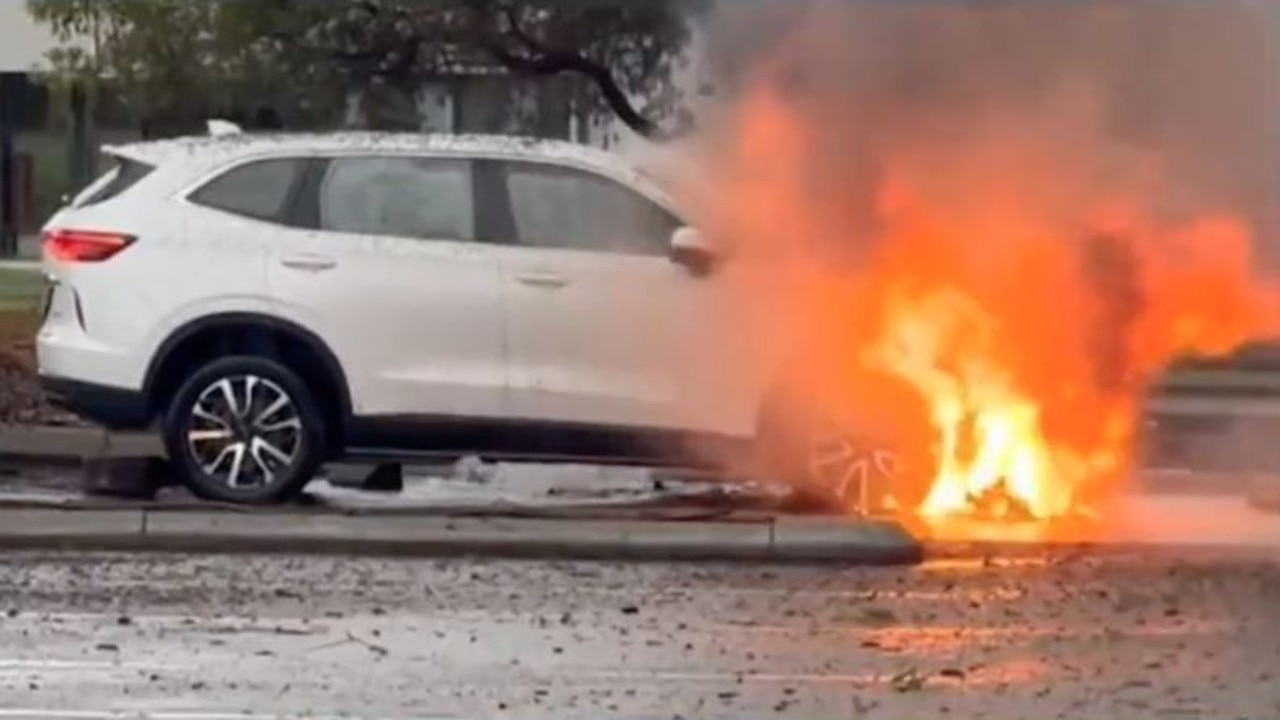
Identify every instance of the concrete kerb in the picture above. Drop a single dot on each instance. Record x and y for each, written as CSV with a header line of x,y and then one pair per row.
x,y
59,530
74,444
436,536
117,464
786,539
69,444
443,536
836,539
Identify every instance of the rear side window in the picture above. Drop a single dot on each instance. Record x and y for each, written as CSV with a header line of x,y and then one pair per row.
x,y
115,181
258,190
417,198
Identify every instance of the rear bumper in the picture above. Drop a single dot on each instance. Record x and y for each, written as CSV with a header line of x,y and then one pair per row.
x,y
114,408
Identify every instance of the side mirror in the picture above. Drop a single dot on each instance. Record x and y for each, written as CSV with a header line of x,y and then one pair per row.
x,y
690,248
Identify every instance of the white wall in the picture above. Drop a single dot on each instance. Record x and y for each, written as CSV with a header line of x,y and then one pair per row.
x,y
23,43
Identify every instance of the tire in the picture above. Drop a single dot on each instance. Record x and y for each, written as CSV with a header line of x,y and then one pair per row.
x,y
281,446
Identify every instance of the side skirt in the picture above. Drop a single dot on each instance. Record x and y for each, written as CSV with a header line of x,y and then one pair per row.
x,y
414,438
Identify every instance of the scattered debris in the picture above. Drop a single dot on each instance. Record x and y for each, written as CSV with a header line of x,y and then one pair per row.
x,y
376,649
879,616
909,680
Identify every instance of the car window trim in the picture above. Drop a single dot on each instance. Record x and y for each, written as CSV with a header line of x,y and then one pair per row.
x,y
302,209
495,216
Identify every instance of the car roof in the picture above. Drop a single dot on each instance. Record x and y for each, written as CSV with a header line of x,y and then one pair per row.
x,y
221,148
201,153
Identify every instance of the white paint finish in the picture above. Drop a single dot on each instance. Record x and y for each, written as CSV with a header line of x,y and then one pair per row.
x,y
420,327
612,344
416,324
188,262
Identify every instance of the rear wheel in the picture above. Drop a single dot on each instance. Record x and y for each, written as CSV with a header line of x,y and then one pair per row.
x,y
245,430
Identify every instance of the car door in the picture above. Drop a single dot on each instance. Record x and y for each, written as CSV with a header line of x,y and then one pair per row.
x,y
392,279
602,327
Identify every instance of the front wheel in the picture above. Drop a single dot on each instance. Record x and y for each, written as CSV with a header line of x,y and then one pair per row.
x,y
833,463
244,430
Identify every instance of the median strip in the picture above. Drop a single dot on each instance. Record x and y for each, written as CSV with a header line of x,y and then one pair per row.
x,y
74,444
782,539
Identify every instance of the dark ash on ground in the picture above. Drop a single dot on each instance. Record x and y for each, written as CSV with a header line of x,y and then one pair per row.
x,y
1036,636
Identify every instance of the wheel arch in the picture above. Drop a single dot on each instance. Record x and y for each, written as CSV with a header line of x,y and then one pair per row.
x,y
251,333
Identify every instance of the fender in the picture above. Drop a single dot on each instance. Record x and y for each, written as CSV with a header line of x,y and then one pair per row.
x,y
230,320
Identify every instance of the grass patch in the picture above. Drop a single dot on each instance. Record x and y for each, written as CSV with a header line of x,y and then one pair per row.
x,y
18,325
20,290
20,294
18,330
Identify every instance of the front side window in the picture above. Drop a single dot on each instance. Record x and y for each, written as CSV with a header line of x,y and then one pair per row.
x,y
419,198
259,189
555,207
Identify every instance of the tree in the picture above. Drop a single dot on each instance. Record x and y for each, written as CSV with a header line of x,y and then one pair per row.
x,y
173,63
189,57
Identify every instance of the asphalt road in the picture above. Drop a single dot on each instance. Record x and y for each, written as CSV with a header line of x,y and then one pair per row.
x,y
1058,635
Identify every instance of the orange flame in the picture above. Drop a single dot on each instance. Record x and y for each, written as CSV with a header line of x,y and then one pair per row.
x,y
989,434
1028,290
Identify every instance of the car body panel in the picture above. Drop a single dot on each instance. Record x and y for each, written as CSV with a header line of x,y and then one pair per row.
x,y
432,335
418,322
107,318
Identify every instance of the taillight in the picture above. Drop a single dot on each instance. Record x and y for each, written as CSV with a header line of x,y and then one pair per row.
x,y
83,245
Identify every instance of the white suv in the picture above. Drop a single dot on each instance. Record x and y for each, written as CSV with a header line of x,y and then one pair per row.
x,y
274,302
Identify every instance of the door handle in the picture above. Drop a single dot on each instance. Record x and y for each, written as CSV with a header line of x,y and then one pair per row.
x,y
309,263
542,279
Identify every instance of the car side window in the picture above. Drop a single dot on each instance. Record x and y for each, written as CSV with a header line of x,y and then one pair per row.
x,y
124,175
556,207
419,198
258,189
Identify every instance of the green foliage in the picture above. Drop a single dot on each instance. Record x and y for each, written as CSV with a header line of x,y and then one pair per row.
x,y
20,289
191,58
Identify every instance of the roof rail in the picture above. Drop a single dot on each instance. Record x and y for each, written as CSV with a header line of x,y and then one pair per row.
x,y
222,128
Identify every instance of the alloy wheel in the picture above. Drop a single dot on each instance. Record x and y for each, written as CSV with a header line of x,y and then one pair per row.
x,y
851,467
244,431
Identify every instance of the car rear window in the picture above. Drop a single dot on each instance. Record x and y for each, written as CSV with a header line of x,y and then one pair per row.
x,y
258,189
124,175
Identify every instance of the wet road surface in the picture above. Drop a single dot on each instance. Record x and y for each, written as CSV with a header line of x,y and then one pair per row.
x,y
1063,634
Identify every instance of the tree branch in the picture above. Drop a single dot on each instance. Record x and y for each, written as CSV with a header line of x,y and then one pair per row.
x,y
397,61
539,59
372,62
